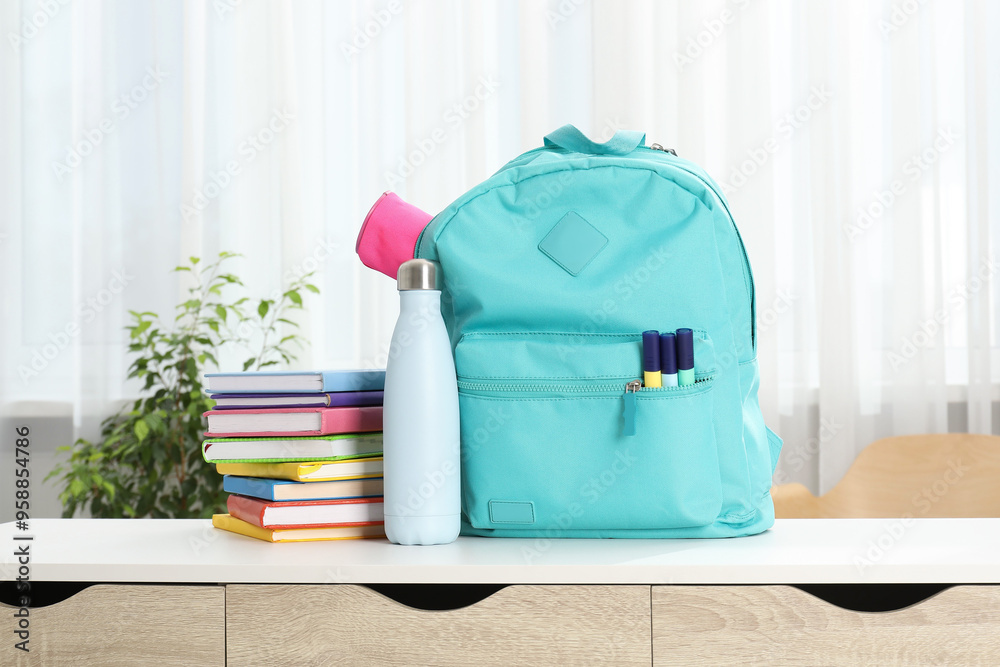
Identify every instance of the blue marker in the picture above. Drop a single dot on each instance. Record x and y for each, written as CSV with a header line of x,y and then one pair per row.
x,y
651,358
668,360
685,357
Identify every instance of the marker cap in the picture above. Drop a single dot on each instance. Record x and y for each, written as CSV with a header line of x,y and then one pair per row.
x,y
650,351
685,349
668,353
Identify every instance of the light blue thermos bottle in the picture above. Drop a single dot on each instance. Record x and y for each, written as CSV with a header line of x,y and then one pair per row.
x,y
420,416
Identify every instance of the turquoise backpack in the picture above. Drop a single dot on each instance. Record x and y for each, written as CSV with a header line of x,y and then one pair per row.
x,y
553,268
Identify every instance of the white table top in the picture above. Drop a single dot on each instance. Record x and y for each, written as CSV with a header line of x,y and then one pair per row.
x,y
795,551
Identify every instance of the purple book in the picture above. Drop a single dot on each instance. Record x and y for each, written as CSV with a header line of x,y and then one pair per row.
x,y
330,400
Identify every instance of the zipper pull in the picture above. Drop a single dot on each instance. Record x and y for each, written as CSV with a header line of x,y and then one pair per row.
x,y
658,147
630,389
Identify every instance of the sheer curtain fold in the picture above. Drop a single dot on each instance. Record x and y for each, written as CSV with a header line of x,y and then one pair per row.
x,y
856,145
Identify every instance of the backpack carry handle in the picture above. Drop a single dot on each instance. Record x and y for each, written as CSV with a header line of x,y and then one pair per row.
x,y
572,139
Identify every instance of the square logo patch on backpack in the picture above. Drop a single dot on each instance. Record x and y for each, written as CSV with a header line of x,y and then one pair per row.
x,y
573,243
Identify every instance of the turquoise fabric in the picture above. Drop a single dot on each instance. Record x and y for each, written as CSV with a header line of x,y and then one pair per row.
x,y
572,243
572,139
552,269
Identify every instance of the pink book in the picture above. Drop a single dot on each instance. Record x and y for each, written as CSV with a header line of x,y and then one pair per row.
x,y
293,421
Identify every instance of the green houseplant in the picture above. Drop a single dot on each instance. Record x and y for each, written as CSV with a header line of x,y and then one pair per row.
x,y
148,460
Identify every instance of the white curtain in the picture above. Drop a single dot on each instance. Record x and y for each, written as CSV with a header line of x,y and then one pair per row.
x,y
857,141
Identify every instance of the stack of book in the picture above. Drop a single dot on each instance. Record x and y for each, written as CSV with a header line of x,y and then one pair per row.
x,y
301,453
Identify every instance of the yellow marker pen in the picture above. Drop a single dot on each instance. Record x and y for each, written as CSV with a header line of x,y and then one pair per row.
x,y
651,358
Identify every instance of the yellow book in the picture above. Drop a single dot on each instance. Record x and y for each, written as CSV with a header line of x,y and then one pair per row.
x,y
306,471
234,525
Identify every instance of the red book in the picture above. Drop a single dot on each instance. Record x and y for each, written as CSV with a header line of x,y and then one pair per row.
x,y
306,513
293,421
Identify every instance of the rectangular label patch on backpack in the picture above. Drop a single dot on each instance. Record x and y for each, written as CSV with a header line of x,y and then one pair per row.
x,y
507,511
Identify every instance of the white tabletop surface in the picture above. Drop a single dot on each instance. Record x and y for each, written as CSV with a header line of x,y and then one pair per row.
x,y
795,551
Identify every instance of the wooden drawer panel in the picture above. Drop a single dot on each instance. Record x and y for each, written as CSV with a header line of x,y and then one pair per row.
x,y
781,625
519,625
124,625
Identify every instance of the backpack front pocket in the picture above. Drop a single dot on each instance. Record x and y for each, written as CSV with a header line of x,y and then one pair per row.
x,y
545,417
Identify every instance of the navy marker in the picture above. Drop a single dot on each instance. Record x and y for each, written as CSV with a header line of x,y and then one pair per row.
x,y
668,360
685,357
651,358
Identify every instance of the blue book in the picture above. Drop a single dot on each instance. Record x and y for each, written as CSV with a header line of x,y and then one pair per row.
x,y
283,489
275,382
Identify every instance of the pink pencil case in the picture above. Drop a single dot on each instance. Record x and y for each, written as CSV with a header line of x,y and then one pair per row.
x,y
389,234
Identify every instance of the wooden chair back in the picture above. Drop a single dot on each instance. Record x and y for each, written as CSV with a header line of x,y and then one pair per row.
x,y
919,476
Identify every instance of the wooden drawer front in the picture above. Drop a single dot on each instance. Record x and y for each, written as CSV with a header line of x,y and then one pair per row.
x,y
781,625
125,625
518,625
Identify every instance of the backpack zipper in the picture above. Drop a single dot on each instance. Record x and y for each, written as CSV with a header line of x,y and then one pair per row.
x,y
658,147
632,387
630,391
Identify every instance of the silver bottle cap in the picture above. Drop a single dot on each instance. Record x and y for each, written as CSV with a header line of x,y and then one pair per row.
x,y
417,274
